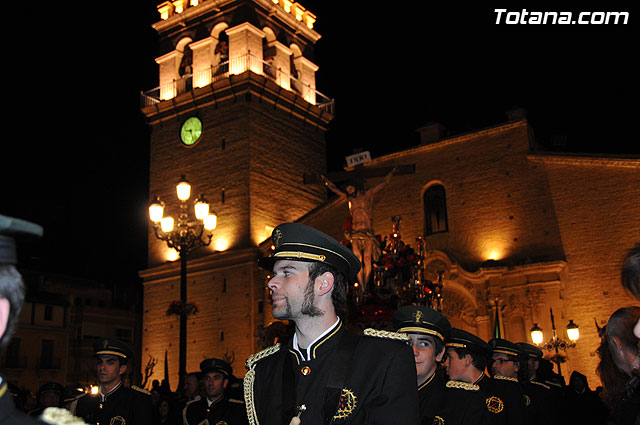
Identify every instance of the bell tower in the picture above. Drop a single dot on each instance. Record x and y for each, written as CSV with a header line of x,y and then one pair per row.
x,y
236,112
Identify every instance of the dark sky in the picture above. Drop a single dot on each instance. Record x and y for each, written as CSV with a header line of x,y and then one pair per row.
x,y
75,153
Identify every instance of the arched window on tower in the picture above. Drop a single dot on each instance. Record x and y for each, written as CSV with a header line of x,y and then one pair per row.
x,y
435,210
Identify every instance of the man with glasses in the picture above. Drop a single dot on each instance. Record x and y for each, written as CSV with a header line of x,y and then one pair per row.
x,y
504,369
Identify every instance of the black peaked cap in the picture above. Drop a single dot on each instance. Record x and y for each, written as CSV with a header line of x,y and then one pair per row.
x,y
530,350
296,241
216,365
112,346
463,339
500,345
421,319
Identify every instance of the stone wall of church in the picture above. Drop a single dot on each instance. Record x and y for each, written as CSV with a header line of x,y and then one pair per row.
x,y
535,233
498,202
596,203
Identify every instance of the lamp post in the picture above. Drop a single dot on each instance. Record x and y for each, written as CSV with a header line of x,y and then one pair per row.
x,y
186,236
556,343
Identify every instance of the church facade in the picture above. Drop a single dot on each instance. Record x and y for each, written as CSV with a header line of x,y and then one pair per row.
x,y
514,231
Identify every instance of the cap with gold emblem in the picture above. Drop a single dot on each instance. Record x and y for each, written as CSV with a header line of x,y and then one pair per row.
x,y
421,319
216,365
529,350
111,346
463,339
503,346
295,241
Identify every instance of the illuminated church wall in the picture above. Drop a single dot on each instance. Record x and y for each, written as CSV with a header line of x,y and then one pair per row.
x,y
596,202
529,230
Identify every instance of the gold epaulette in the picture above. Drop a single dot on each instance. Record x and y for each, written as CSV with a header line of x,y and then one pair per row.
x,y
233,400
386,334
540,384
505,378
254,358
462,385
142,390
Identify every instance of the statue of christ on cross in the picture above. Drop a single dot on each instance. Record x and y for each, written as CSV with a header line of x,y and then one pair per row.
x,y
363,239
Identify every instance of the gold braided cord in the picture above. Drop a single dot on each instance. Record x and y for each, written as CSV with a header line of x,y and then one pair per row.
x,y
249,379
261,355
462,385
505,378
386,334
541,384
248,397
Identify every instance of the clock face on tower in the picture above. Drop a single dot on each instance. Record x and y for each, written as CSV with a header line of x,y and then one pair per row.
x,y
191,131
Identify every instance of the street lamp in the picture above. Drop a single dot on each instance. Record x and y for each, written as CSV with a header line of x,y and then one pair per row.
x,y
184,237
556,343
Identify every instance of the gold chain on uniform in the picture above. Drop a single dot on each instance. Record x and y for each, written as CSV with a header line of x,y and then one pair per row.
x,y
249,379
462,385
506,378
386,334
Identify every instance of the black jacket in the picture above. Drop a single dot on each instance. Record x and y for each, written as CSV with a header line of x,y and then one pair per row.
x,y
123,406
376,384
230,412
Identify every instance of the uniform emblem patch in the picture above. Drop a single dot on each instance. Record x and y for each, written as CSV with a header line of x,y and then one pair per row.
x,y
346,405
527,400
438,421
117,420
494,404
418,316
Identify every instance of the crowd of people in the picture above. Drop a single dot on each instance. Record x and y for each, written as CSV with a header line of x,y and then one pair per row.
x,y
424,371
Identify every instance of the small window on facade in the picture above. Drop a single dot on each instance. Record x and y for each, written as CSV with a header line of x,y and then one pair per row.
x,y
13,353
48,312
124,334
435,210
46,354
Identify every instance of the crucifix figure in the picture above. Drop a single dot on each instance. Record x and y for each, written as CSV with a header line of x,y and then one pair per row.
x,y
363,239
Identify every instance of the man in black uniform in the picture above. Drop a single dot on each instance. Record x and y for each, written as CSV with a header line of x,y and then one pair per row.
x,y
215,407
465,402
325,374
428,330
504,368
11,300
114,404
540,393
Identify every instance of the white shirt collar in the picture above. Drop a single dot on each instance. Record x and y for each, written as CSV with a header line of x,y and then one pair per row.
x,y
308,349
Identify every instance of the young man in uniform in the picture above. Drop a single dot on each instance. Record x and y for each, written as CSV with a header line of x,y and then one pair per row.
x,y
504,366
428,330
540,393
325,374
114,404
215,407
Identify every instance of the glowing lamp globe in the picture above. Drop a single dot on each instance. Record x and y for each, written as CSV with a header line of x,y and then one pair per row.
x,y
166,224
183,189
536,334
572,331
210,222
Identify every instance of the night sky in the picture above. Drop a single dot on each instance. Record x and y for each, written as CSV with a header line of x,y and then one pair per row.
x,y
75,154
